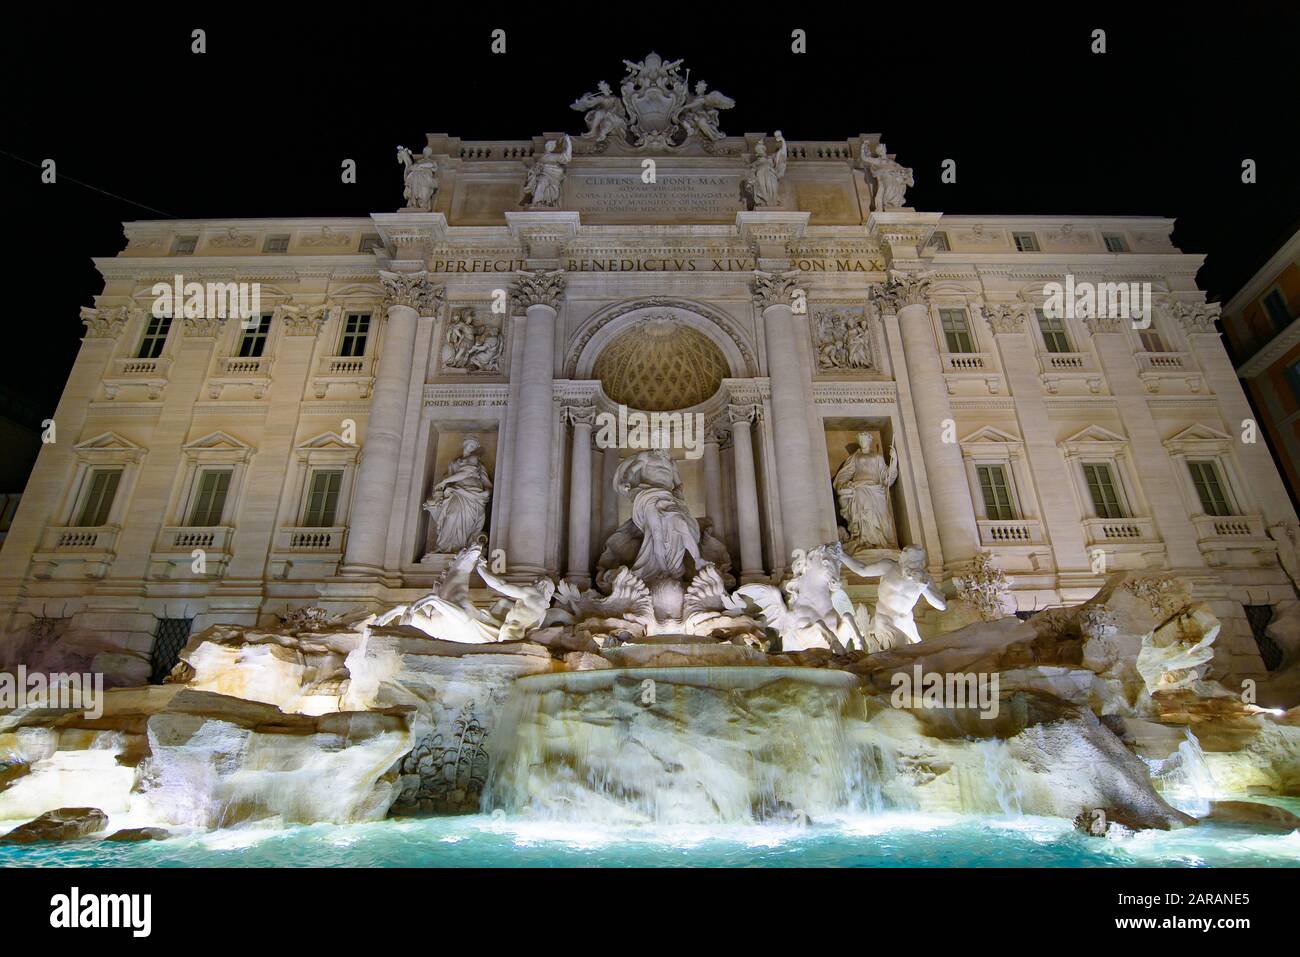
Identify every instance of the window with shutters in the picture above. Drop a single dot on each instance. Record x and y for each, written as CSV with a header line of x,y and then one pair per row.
x,y
210,498
1210,487
996,491
323,498
99,497
956,330
1103,490
1055,338
253,342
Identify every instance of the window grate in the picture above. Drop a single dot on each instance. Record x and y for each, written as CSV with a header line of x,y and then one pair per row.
x,y
168,643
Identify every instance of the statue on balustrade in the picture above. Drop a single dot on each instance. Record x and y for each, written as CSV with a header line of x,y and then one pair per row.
x,y
892,178
862,485
542,187
763,181
420,177
457,506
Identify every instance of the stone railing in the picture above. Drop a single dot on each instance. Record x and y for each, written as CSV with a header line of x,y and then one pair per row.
x,y
1161,362
1056,362
1117,531
244,366
299,539
139,368
214,538
358,371
967,362
1010,532
100,538
1211,527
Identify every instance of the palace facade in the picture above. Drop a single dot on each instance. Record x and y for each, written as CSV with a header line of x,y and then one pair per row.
x,y
209,470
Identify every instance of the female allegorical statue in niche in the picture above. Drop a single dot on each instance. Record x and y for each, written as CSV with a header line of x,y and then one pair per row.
x,y
457,506
862,485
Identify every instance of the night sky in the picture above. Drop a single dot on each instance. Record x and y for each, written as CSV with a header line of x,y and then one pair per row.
x,y
258,126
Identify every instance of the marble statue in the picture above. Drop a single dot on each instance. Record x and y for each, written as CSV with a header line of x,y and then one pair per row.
x,y
605,114
420,177
530,603
901,584
668,530
473,342
457,505
542,187
862,485
447,612
816,611
763,181
700,114
843,341
892,178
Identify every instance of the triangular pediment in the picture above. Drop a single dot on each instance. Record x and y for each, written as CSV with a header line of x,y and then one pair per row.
x,y
1094,433
218,442
327,441
1200,433
989,435
107,442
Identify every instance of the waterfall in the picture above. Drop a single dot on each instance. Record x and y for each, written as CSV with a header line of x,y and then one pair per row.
x,y
688,745
1184,779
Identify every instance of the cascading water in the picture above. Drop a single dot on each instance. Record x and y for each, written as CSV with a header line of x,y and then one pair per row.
x,y
1184,779
686,745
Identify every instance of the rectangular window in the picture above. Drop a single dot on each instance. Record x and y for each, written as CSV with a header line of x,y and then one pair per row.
x,y
956,330
1275,306
1102,489
210,499
1151,341
184,245
253,340
356,327
276,244
1209,487
939,243
99,499
1025,242
1114,243
155,337
1293,380
997,494
1053,329
323,499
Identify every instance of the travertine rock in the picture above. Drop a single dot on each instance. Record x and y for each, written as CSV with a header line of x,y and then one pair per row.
x,y
62,824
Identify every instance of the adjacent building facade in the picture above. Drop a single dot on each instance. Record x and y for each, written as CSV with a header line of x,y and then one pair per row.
x,y
1262,323
228,470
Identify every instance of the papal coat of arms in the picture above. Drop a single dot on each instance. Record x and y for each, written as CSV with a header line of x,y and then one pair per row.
x,y
655,108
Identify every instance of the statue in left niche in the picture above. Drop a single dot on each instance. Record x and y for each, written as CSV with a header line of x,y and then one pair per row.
x,y
457,505
542,187
421,177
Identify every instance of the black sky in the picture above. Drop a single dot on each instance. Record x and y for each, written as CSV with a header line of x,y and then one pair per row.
x,y
258,126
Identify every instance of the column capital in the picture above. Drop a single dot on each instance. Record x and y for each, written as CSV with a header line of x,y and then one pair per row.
x,y
1196,317
538,287
742,415
773,288
903,289
411,289
304,320
578,415
204,327
105,323
1006,318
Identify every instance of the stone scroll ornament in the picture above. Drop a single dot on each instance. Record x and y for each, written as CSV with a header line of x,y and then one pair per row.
x,y
902,289
654,108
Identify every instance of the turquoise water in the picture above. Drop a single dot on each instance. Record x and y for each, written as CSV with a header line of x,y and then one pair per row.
x,y
883,840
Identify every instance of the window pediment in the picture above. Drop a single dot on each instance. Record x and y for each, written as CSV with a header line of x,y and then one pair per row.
x,y
1094,440
218,447
108,447
1199,439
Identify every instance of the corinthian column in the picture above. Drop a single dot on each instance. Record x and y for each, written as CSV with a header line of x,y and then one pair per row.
x,y
713,481
800,482
539,292
407,296
945,473
739,418
581,417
